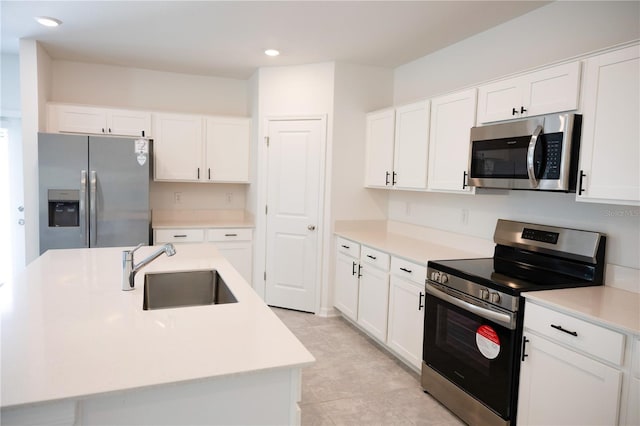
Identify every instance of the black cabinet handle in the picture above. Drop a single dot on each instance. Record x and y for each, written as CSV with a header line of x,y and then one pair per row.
x,y
408,271
109,129
198,172
420,305
180,236
582,175
524,344
564,330
353,268
393,178
386,178
143,133
371,257
209,173
522,110
464,179
514,111
230,235
347,247
103,130
359,271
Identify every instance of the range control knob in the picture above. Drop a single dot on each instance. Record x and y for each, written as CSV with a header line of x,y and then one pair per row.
x,y
444,278
484,294
495,298
435,276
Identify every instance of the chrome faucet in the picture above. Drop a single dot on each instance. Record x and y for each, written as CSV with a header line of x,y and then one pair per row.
x,y
129,269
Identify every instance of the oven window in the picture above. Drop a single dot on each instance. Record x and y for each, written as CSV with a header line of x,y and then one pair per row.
x,y
476,354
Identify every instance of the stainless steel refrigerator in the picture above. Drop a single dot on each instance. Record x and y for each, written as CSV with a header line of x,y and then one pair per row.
x,y
94,191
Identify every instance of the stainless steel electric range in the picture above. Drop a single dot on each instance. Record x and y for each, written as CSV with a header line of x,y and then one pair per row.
x,y
474,314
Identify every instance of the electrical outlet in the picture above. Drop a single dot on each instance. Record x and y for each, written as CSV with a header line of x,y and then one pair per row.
x,y
229,197
177,197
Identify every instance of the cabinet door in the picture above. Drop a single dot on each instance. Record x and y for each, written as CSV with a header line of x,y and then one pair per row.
x,y
497,101
406,320
128,123
552,90
79,119
560,386
346,285
227,149
177,146
239,254
609,150
373,303
411,146
379,160
452,118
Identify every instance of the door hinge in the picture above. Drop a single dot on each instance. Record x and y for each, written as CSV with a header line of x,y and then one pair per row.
x,y
265,275
266,139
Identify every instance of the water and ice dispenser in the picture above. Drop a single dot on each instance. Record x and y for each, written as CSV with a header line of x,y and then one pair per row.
x,y
64,207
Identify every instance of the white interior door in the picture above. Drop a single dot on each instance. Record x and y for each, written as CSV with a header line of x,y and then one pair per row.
x,y
294,194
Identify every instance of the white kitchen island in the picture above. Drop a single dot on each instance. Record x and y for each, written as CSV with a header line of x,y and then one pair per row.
x,y
76,349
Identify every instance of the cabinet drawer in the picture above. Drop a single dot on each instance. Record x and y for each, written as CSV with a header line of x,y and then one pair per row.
x,y
408,270
229,234
374,257
179,236
580,334
348,247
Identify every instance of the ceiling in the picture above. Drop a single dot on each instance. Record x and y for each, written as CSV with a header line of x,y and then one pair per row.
x,y
228,38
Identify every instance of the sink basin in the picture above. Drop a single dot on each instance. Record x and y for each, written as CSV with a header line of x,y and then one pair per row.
x,y
189,288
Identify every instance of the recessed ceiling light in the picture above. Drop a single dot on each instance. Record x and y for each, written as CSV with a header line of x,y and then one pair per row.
x,y
271,52
47,21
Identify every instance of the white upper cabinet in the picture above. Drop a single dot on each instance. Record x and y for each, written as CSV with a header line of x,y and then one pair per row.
x,y
380,137
193,148
94,120
411,147
546,91
397,147
452,118
177,147
610,146
227,149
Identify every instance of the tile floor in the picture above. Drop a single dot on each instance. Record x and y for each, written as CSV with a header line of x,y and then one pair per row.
x,y
354,381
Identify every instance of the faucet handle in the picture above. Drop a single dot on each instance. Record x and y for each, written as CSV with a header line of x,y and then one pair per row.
x,y
137,247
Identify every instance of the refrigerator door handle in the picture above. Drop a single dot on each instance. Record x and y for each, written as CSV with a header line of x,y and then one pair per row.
x,y
84,235
93,223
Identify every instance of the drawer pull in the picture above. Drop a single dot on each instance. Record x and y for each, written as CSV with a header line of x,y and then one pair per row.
x,y
524,347
347,247
180,236
408,271
230,235
371,257
559,327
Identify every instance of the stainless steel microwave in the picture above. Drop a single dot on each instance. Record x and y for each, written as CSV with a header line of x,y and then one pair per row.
x,y
540,153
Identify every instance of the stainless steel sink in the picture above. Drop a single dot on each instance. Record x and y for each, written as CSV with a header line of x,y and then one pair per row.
x,y
190,288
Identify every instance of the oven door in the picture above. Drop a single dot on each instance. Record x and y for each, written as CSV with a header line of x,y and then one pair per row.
x,y
471,345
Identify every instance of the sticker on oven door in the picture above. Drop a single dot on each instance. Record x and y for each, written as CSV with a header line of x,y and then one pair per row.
x,y
488,342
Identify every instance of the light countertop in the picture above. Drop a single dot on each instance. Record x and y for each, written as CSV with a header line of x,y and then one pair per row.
x,y
416,250
68,330
173,219
613,307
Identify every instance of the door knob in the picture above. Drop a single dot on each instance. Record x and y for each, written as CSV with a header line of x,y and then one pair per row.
x,y
311,227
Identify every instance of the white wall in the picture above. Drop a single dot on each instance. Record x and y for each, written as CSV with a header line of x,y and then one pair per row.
x,y
78,82
10,86
554,32
558,31
205,196
35,90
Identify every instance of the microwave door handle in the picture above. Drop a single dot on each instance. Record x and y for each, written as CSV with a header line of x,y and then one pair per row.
x,y
533,180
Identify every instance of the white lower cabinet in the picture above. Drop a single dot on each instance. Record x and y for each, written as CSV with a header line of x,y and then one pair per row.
x,y
406,310
347,277
562,380
235,244
373,296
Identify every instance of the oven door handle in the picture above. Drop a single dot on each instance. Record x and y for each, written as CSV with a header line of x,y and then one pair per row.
x,y
499,317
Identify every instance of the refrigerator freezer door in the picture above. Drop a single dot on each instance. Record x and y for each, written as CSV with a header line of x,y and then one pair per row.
x,y
61,159
121,199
